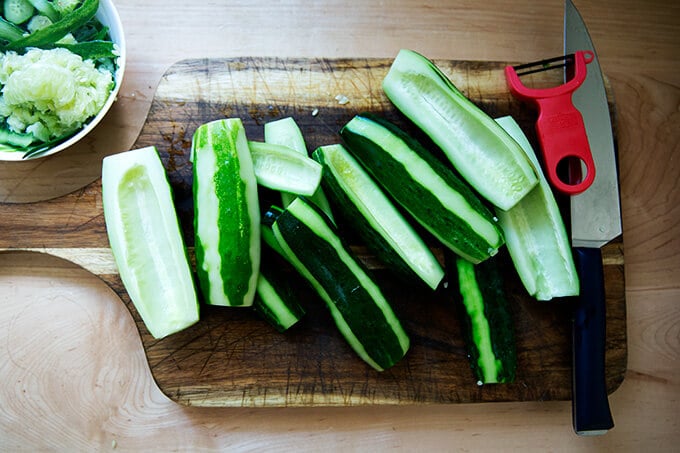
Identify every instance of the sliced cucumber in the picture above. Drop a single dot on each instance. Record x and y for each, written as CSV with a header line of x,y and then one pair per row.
x,y
276,299
18,11
374,216
486,322
10,32
536,236
424,186
285,131
146,241
280,168
482,152
226,214
83,13
16,139
46,9
357,305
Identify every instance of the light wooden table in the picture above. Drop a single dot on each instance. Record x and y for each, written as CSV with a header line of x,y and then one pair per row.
x,y
73,372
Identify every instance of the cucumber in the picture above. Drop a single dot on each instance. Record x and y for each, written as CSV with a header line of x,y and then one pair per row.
x,y
49,35
146,241
486,321
18,11
226,213
482,152
285,131
536,235
46,9
424,186
374,216
280,168
16,139
356,303
10,32
276,300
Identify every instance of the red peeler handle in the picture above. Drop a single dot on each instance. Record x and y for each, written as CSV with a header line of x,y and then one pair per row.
x,y
560,128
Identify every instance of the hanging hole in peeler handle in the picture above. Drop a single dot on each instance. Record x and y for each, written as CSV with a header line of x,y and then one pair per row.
x,y
573,175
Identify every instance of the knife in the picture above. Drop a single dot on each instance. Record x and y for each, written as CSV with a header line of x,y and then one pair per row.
x,y
595,220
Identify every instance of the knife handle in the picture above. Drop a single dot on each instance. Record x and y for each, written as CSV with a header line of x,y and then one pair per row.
x,y
590,403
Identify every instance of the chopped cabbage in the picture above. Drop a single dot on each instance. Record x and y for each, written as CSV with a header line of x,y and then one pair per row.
x,y
50,93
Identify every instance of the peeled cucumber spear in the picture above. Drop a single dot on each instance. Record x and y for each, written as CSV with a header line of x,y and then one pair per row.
x,y
536,236
482,152
145,238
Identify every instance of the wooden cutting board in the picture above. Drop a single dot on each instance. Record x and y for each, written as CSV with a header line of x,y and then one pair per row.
x,y
233,358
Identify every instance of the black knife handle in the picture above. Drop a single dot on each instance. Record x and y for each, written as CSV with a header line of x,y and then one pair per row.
x,y
590,404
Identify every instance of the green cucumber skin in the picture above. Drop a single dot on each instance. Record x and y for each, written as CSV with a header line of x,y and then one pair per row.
x,y
358,223
379,333
420,203
372,239
235,222
286,295
499,317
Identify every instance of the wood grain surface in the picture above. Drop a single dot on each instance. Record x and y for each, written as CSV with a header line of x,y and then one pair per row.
x,y
233,358
74,372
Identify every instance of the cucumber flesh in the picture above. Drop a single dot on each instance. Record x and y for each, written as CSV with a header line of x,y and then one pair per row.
x,y
362,314
375,217
280,168
424,186
536,235
226,214
482,152
286,132
46,9
145,238
18,11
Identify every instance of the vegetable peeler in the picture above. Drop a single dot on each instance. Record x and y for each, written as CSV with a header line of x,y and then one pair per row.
x,y
560,128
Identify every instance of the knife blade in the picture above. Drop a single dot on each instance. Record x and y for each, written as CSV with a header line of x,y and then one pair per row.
x,y
595,220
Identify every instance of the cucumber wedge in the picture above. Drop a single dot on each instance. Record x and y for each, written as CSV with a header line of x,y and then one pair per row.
x,y
536,236
374,216
276,300
286,132
482,152
226,214
424,186
486,321
146,241
280,168
357,305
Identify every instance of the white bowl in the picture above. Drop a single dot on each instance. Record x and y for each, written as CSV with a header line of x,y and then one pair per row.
x,y
107,15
